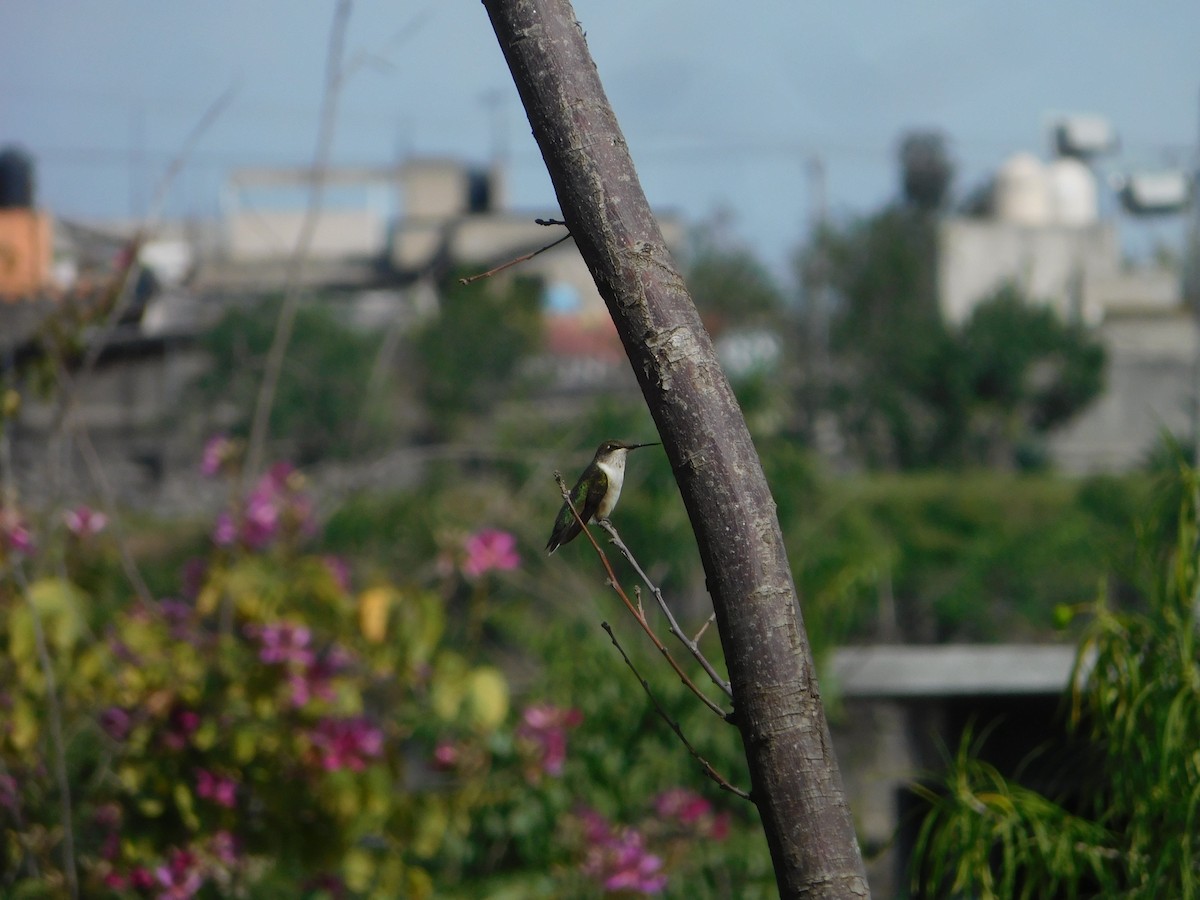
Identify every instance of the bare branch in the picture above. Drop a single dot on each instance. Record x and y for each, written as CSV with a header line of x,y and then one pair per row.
x,y
308,226
520,259
634,609
689,643
704,764
336,75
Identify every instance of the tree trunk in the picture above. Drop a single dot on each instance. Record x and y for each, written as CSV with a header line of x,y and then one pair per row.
x,y
794,777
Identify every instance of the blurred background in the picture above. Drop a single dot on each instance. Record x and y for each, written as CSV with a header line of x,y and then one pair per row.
x,y
948,254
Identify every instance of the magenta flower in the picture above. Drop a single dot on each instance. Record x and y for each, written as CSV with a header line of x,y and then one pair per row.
x,y
260,521
181,725
543,730
217,788
14,533
283,643
693,812
618,859
139,879
180,877
339,570
225,531
223,848
276,507
219,452
116,723
316,678
346,743
83,521
446,756
490,550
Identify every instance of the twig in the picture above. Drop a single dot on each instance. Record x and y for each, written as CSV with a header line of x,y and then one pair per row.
x,y
95,468
308,226
54,711
336,75
123,284
712,773
520,259
634,611
689,643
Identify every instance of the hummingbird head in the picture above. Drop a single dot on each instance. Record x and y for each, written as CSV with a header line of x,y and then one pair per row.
x,y
609,449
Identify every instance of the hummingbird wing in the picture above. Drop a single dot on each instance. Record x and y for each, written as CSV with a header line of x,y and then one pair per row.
x,y
585,497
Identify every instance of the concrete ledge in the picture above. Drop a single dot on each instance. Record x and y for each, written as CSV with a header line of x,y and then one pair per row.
x,y
952,670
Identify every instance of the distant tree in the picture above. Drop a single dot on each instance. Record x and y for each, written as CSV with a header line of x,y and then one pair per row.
x,y
927,169
319,402
468,352
1027,371
889,349
729,284
910,392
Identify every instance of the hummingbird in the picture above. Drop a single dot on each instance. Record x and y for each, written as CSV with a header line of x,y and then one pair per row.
x,y
595,493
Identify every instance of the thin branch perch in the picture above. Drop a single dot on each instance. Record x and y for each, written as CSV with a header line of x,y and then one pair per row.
x,y
634,609
520,259
712,773
689,643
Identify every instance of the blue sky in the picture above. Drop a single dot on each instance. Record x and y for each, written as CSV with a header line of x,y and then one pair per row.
x,y
723,104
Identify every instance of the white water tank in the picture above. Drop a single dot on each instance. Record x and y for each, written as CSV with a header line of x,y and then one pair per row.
x,y
1021,193
1074,199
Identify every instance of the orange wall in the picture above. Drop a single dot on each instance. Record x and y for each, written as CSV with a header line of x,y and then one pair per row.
x,y
25,251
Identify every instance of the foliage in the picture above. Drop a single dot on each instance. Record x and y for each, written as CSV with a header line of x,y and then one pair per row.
x,y
1137,697
469,351
277,732
1026,372
912,393
319,404
728,283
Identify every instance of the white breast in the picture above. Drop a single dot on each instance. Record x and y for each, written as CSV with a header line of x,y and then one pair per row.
x,y
615,470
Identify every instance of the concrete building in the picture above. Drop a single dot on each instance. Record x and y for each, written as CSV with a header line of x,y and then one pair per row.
x,y
1040,230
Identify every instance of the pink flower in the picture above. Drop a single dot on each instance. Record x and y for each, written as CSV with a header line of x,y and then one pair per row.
x,y
139,879
316,678
181,725
692,811
180,877
543,729
14,533
223,848
260,520
488,550
283,643
277,506
618,859
339,571
219,452
217,788
225,530
116,723
83,521
346,743
446,755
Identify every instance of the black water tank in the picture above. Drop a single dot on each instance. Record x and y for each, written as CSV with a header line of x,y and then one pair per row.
x,y
16,179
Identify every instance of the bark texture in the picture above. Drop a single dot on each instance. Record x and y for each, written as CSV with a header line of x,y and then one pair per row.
x,y
795,779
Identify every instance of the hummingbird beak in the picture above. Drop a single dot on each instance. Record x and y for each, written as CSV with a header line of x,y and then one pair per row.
x,y
636,446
